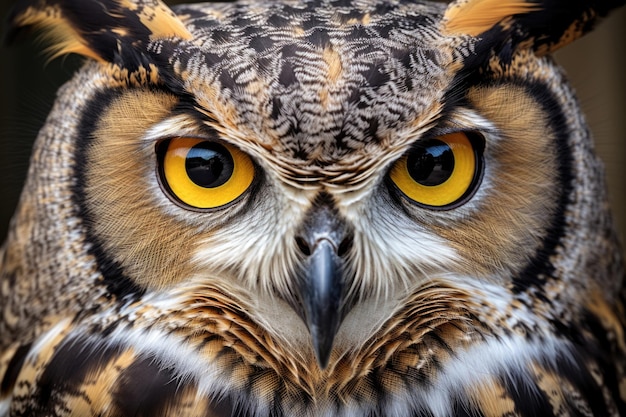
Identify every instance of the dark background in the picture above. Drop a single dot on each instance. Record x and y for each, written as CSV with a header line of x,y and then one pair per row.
x,y
596,65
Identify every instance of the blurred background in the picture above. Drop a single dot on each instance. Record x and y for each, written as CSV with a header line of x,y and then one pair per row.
x,y
596,65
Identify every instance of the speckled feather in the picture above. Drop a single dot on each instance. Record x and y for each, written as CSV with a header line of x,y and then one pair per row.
x,y
116,300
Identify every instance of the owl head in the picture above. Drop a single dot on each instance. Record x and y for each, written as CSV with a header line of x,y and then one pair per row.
x,y
319,163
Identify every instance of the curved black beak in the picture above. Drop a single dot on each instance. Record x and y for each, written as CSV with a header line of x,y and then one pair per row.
x,y
322,295
324,240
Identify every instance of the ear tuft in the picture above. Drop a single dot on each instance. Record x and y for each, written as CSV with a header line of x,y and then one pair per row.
x,y
100,30
57,30
473,17
159,19
542,25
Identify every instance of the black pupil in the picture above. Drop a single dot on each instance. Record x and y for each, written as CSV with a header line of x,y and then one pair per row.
x,y
209,164
431,162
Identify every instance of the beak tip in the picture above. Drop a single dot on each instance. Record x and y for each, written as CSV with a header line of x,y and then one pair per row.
x,y
322,296
323,348
323,362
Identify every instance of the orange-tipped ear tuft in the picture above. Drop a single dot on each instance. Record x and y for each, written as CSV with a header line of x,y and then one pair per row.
x,y
100,30
60,34
158,18
473,17
541,25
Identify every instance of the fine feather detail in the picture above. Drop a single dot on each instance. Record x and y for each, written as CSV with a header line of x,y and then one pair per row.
x,y
99,30
538,25
62,37
473,17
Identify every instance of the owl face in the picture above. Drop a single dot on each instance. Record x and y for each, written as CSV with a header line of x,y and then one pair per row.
x,y
315,185
323,185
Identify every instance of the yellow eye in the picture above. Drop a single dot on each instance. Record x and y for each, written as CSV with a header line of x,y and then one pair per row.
x,y
204,174
441,172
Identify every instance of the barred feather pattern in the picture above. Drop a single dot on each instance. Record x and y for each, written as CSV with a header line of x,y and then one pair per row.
x,y
117,300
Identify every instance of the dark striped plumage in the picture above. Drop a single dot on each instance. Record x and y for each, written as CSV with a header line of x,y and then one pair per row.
x,y
328,274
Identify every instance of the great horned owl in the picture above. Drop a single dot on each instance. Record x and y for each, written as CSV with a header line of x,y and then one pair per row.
x,y
313,208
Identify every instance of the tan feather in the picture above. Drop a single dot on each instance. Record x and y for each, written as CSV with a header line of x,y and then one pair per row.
x,y
473,17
